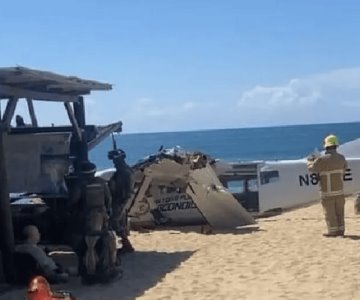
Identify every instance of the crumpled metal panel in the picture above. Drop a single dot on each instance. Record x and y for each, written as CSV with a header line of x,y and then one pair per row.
x,y
217,205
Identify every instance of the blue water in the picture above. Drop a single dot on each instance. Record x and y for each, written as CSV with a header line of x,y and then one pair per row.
x,y
285,142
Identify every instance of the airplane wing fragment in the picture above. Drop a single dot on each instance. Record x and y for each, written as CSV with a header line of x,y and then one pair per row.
x,y
217,205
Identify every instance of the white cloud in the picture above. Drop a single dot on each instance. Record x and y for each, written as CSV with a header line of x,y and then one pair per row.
x,y
305,91
293,94
341,78
189,105
318,98
144,101
333,96
146,107
147,114
324,97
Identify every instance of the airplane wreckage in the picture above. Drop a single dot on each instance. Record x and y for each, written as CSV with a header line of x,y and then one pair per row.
x,y
172,187
178,188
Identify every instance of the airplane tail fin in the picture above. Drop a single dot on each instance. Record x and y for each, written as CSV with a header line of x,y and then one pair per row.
x,y
350,149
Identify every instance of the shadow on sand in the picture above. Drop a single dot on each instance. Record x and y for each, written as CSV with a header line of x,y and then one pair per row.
x,y
207,230
240,230
352,237
142,271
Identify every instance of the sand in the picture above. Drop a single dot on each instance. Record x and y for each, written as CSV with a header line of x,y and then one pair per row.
x,y
286,258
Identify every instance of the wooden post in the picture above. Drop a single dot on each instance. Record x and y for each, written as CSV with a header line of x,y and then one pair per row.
x,y
30,104
9,110
79,111
6,226
73,121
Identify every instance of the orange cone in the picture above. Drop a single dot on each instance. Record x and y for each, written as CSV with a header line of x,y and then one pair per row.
x,y
39,289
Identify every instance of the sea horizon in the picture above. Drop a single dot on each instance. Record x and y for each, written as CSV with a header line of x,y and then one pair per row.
x,y
237,128
235,144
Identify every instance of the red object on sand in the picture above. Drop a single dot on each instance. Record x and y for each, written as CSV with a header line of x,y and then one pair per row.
x,y
39,289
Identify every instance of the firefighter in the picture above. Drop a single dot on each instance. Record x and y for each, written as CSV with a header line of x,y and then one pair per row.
x,y
357,204
330,168
92,240
121,185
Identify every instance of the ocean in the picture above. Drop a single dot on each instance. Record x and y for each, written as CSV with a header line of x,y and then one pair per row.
x,y
242,144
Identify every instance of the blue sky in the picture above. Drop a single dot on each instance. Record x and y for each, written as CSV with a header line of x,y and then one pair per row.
x,y
194,64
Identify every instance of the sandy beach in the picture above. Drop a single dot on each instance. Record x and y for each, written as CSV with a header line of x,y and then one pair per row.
x,y
286,258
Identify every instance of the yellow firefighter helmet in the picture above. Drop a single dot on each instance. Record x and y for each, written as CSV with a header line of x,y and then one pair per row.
x,y
331,140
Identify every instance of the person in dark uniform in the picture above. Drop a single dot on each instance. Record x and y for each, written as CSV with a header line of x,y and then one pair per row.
x,y
19,121
121,185
92,240
47,267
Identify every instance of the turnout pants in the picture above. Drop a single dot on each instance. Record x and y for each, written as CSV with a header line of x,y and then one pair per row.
x,y
334,214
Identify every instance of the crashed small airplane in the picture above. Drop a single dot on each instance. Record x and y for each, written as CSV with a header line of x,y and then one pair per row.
x,y
177,188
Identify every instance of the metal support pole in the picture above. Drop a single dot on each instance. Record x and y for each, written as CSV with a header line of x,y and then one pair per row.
x,y
6,226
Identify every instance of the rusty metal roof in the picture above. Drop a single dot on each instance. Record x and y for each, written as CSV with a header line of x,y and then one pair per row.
x,y
18,81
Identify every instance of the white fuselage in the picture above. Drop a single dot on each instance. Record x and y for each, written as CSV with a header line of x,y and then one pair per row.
x,y
259,187
289,184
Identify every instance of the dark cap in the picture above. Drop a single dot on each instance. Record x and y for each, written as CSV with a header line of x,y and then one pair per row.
x,y
88,167
116,154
